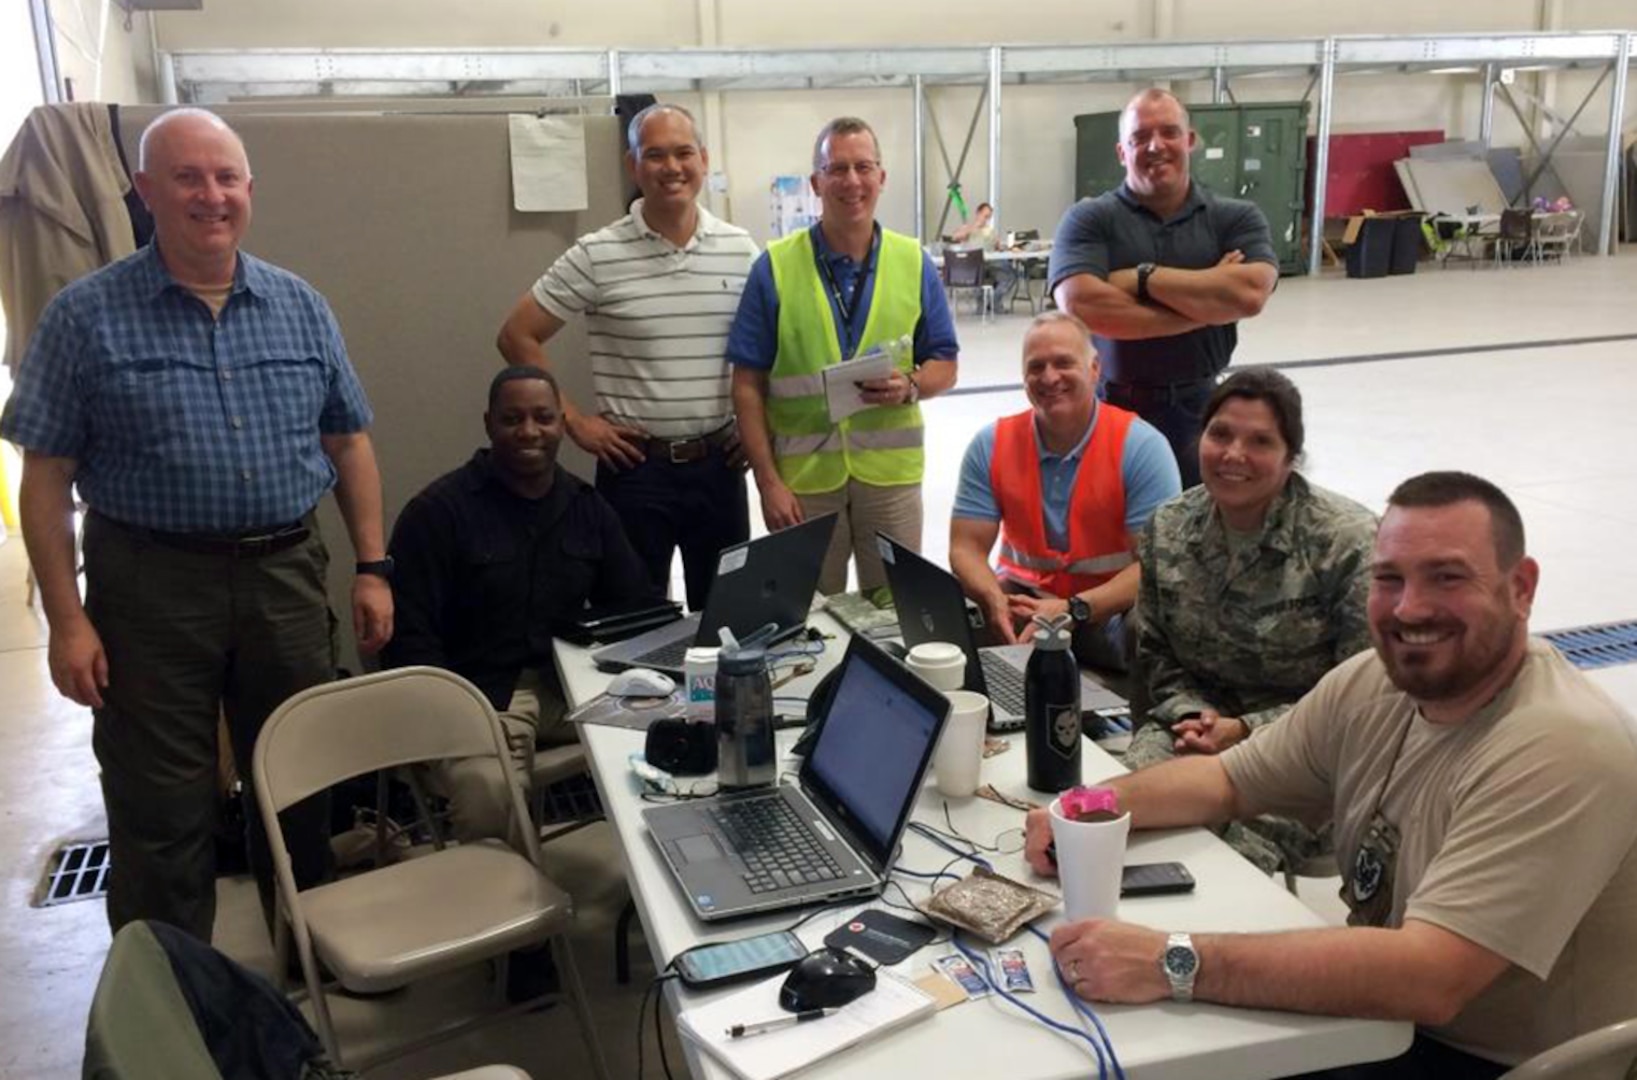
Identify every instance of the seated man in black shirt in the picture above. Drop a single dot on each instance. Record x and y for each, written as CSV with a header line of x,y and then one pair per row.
x,y
491,560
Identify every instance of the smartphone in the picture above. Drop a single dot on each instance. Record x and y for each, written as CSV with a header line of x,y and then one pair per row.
x,y
730,961
1156,879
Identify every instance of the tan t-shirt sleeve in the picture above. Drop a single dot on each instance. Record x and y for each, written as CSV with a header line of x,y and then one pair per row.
x,y
1543,818
1288,767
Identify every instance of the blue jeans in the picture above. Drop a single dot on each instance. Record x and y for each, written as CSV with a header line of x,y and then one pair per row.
x,y
699,506
1176,409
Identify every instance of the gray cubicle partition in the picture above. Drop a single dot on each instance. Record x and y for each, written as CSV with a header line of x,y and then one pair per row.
x,y
404,221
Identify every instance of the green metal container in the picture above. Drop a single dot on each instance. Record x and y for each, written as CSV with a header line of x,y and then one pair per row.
x,y
1253,151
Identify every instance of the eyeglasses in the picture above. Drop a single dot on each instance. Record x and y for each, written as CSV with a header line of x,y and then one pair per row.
x,y
864,170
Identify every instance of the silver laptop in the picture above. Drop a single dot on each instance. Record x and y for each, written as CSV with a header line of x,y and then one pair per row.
x,y
932,607
832,835
769,580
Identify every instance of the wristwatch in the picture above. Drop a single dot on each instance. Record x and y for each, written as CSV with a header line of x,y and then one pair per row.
x,y
381,568
1080,610
1180,963
1144,270
914,389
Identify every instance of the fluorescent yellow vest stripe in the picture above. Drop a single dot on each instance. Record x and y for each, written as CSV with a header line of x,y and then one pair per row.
x,y
882,445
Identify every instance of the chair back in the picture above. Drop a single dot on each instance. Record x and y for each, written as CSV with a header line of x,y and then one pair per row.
x,y
339,730
1517,225
963,269
141,1027
1608,1053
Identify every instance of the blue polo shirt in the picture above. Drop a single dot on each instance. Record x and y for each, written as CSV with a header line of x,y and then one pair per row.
x,y
179,420
754,340
1116,232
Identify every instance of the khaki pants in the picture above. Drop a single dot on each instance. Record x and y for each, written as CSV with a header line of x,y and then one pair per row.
x,y
193,639
863,509
479,806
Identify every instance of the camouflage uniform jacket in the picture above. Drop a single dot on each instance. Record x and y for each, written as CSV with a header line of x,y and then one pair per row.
x,y
1248,632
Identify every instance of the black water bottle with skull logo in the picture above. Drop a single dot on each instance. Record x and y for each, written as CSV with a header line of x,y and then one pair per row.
x,y
1051,709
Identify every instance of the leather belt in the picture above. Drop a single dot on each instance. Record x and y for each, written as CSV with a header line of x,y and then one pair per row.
x,y
1157,393
685,451
254,545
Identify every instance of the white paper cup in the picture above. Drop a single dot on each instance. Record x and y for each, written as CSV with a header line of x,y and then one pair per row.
x,y
959,755
1090,862
939,663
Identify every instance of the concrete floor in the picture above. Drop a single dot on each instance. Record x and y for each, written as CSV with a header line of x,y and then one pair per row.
x,y
1550,422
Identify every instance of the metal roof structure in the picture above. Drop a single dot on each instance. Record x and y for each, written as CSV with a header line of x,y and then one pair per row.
x,y
221,75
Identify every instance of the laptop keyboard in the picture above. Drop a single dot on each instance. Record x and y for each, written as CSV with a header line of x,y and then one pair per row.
x,y
1005,683
673,655
778,848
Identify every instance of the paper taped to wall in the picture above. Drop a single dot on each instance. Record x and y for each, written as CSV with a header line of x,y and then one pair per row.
x,y
548,163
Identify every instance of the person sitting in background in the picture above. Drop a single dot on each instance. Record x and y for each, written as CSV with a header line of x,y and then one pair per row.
x,y
1253,587
980,231
491,559
1064,486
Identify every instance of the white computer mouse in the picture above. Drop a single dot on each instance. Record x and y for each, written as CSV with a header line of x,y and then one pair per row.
x,y
641,682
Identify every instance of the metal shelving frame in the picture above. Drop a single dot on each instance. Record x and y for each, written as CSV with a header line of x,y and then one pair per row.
x,y
220,75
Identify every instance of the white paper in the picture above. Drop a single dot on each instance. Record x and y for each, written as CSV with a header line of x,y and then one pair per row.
x,y
548,163
892,1003
841,393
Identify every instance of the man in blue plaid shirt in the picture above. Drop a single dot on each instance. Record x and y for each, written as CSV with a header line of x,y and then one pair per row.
x,y
202,401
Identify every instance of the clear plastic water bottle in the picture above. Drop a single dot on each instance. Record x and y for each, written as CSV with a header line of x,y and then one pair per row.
x,y
1051,708
744,719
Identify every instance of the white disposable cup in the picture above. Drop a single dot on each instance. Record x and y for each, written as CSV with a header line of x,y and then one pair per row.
x,y
939,663
1090,862
959,755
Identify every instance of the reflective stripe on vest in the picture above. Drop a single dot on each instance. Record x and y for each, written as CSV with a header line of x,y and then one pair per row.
x,y
881,445
1099,547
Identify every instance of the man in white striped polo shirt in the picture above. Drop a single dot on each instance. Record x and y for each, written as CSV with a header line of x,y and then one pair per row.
x,y
658,289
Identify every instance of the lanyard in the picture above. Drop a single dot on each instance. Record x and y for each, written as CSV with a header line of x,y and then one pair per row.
x,y
844,304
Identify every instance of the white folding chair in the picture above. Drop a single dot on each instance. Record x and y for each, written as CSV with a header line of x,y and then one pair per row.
x,y
1609,1052
427,915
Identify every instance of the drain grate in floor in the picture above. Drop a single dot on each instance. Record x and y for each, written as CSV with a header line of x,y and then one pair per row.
x,y
1597,646
573,799
76,872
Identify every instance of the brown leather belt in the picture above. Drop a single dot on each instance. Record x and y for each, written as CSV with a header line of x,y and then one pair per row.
x,y
685,451
254,545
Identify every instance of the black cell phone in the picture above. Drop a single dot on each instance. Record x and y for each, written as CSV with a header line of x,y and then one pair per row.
x,y
1156,879
730,961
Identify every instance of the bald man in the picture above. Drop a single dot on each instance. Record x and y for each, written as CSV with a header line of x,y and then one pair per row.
x,y
1162,270
202,402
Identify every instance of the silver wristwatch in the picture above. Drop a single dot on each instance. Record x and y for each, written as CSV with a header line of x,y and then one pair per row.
x,y
1180,962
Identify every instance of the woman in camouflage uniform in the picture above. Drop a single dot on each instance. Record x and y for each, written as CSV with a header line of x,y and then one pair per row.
x,y
1253,586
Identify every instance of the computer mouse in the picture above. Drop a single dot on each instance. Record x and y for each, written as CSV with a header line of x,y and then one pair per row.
x,y
641,682
825,979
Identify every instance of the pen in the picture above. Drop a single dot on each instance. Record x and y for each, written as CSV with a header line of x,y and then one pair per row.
x,y
758,1027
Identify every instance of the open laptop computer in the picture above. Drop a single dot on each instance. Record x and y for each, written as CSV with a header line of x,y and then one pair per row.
x,y
932,607
833,834
766,580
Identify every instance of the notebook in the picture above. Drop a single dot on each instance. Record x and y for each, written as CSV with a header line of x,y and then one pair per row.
x,y
932,607
893,1004
834,833
766,580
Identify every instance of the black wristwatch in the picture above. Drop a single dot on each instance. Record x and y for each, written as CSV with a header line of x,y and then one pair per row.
x,y
1144,271
381,568
1080,610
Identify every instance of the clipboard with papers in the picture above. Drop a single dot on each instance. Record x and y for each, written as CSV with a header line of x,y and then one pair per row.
x,y
842,396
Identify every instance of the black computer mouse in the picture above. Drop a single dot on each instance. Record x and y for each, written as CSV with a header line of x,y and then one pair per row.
x,y
825,979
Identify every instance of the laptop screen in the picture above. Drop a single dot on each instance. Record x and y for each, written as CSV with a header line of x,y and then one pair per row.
x,y
872,753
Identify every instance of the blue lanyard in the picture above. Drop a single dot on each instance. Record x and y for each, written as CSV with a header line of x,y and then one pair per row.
x,y
844,303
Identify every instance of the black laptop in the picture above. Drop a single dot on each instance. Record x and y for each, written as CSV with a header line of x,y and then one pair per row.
x,y
932,607
762,581
834,833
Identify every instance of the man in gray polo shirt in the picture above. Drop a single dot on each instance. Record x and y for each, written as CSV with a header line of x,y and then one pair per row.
x,y
1161,270
658,289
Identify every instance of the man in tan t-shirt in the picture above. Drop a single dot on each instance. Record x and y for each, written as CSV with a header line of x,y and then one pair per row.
x,y
1484,795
